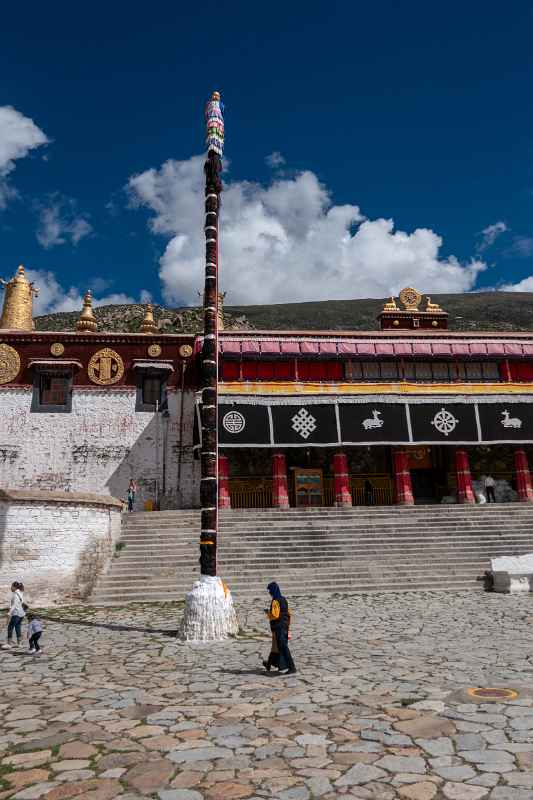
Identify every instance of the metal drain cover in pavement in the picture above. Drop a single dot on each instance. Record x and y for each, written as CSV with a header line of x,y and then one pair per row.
x,y
493,693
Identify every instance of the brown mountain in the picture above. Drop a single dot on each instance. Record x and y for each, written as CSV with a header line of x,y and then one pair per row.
x,y
484,311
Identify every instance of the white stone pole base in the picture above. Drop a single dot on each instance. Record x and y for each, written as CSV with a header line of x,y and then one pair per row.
x,y
209,612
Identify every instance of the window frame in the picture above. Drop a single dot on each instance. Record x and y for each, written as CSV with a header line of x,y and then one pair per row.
x,y
37,406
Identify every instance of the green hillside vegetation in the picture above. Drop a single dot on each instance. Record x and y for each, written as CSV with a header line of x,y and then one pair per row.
x,y
486,311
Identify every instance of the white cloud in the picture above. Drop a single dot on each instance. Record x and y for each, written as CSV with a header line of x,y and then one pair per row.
x,y
288,242
59,222
275,159
490,234
525,285
18,135
53,297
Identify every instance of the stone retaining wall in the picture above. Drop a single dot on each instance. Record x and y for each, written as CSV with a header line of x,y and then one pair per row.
x,y
56,543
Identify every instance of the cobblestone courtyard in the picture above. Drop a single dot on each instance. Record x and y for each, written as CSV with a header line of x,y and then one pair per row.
x,y
117,707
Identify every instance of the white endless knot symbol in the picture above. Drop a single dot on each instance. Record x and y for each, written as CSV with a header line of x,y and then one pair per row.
x,y
304,423
233,422
444,422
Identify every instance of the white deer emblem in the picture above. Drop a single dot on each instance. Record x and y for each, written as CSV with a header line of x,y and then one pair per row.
x,y
373,421
510,422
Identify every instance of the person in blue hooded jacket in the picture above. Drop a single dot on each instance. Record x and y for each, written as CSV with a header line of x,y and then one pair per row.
x,y
279,616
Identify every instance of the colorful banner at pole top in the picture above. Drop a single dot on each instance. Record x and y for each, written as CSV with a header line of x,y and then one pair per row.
x,y
214,138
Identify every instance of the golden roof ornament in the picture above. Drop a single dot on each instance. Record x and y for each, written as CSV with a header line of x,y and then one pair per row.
x,y
390,306
410,298
432,308
148,324
87,322
17,313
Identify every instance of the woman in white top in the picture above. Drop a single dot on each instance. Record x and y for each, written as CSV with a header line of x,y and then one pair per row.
x,y
17,612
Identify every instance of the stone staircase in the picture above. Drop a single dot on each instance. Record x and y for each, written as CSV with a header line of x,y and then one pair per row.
x,y
307,551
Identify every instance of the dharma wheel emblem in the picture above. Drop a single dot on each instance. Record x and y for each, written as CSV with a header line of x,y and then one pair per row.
x,y
154,350
9,363
57,349
185,351
410,298
105,367
233,422
444,422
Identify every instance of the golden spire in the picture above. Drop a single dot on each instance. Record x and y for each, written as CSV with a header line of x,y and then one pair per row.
x,y
18,302
87,321
390,306
148,324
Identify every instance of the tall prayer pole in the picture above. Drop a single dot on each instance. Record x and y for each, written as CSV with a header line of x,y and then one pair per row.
x,y
209,365
209,613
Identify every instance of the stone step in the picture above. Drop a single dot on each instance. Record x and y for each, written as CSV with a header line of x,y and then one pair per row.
x,y
237,581
310,590
318,550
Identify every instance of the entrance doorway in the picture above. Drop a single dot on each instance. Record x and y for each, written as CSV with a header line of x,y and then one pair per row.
x,y
423,483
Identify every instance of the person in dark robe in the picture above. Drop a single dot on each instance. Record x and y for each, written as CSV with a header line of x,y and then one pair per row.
x,y
279,616
369,493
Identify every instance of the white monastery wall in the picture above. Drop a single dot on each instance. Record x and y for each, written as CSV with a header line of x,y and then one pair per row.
x,y
56,546
99,445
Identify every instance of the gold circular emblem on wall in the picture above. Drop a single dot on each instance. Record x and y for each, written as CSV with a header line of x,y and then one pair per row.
x,y
9,363
185,351
410,298
154,350
105,367
57,349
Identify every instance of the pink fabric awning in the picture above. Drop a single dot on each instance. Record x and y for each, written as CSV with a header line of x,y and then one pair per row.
x,y
249,346
385,349
513,349
309,348
478,349
347,348
403,348
421,349
527,349
366,349
230,346
459,349
292,348
495,348
269,346
442,349
328,348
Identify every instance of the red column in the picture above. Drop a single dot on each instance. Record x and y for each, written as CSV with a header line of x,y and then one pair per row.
x,y
465,491
341,479
280,494
224,500
523,477
402,479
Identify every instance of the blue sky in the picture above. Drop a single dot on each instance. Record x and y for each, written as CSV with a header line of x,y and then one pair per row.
x,y
391,125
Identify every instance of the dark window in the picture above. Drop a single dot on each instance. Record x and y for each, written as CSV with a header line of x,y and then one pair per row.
x,y
52,392
151,391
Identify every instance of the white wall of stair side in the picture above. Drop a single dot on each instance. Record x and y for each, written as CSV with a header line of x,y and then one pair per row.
x,y
99,446
56,546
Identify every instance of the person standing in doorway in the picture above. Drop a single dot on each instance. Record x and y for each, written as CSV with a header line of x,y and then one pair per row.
x,y
490,483
132,489
369,493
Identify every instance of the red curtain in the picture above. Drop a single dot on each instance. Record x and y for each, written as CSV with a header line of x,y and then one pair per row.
x,y
521,371
283,370
320,370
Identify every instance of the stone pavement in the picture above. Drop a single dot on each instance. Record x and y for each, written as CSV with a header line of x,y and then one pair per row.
x,y
117,707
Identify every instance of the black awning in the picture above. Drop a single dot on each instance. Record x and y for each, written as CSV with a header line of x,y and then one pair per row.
x,y
307,422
